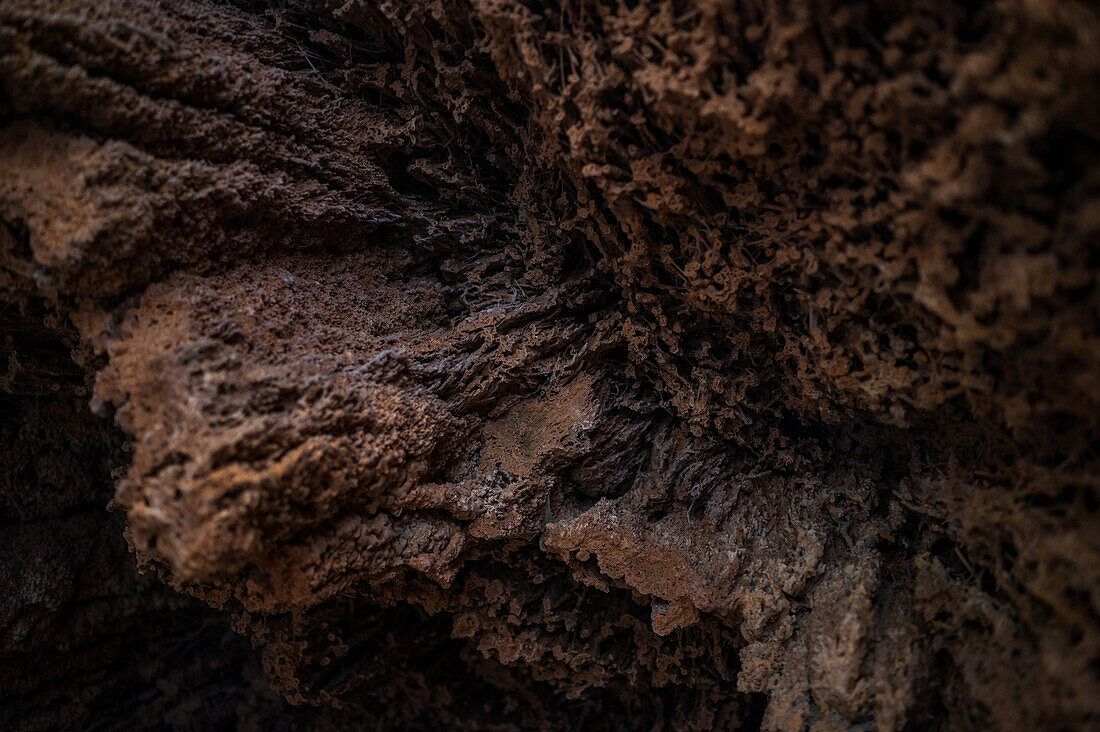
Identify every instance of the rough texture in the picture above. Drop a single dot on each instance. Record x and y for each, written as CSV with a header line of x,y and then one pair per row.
x,y
516,364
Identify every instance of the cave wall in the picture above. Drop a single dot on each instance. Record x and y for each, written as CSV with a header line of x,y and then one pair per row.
x,y
593,365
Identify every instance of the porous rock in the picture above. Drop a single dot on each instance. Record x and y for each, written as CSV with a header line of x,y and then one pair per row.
x,y
601,365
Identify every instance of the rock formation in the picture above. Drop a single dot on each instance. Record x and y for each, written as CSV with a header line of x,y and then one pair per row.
x,y
501,364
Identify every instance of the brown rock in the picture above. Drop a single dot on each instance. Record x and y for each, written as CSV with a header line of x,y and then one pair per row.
x,y
511,365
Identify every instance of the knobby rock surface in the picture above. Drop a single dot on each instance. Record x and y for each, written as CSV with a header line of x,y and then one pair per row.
x,y
501,364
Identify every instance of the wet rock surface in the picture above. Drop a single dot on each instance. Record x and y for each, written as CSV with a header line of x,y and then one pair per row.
x,y
503,364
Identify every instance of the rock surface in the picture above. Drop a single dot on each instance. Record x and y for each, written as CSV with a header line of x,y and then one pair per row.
x,y
493,364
